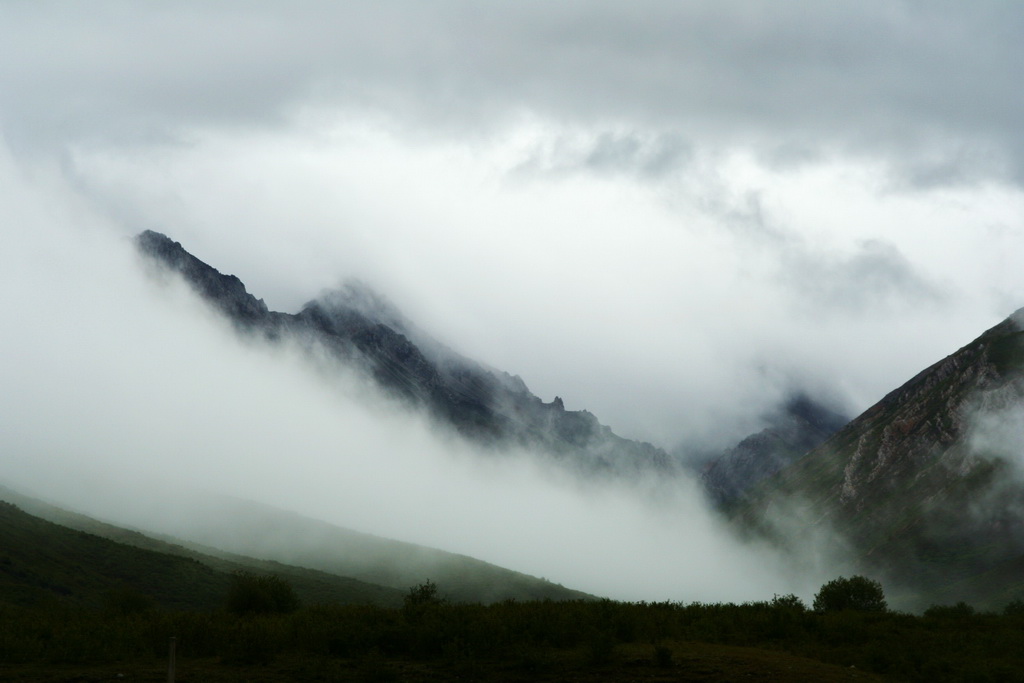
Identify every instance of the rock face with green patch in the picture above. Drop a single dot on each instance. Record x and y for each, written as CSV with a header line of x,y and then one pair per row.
x,y
923,487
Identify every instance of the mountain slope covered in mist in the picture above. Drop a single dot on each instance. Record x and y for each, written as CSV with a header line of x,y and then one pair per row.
x,y
41,562
801,425
49,552
360,328
925,486
258,530
71,540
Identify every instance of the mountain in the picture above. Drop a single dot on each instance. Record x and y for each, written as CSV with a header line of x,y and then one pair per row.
x,y
48,552
801,425
361,328
924,488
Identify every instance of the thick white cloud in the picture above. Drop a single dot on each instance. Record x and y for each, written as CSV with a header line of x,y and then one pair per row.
x,y
124,393
676,309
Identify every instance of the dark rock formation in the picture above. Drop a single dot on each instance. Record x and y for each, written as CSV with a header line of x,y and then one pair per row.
x,y
226,292
361,328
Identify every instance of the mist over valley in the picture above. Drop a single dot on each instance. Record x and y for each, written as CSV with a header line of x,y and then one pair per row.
x,y
529,331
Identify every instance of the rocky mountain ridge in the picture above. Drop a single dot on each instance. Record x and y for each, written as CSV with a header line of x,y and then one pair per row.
x,y
360,328
916,488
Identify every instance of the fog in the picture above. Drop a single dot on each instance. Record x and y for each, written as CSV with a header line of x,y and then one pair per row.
x,y
671,216
122,389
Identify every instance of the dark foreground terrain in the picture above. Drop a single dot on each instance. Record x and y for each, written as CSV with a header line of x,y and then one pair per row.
x,y
696,662
429,640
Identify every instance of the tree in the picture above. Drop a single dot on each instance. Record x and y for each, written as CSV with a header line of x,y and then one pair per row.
x,y
788,602
422,595
855,593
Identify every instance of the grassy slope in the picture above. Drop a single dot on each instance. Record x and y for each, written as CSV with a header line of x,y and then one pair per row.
x,y
324,563
80,560
41,562
311,585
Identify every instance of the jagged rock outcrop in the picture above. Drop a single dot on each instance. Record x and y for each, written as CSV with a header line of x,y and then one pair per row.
x,y
361,328
913,488
226,292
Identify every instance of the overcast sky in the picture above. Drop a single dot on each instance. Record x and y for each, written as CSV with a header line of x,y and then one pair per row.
x,y
670,214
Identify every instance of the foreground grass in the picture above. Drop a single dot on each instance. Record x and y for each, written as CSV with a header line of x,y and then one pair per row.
x,y
692,662
512,641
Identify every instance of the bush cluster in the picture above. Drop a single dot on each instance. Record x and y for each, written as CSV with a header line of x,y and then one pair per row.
x,y
255,594
855,593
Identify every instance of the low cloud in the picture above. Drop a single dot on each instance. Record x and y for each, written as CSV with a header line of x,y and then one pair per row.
x,y
121,388
639,155
875,276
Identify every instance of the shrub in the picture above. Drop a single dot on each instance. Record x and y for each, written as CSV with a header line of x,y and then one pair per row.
x,y
422,595
855,593
253,594
788,602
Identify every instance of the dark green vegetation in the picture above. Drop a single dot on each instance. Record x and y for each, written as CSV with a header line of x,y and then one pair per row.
x,y
855,593
920,488
256,594
44,563
41,562
431,639
74,606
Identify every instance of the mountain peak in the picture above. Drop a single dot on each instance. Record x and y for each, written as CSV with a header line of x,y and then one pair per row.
x,y
363,328
226,292
355,295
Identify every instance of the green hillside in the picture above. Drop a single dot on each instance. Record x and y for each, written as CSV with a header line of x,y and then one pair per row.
x,y
325,563
42,562
312,586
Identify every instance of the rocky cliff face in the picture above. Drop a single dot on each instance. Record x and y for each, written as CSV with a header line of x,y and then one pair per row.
x,y
361,328
913,485
226,292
